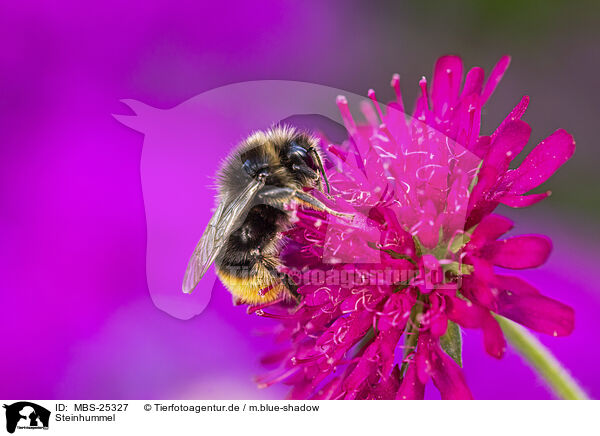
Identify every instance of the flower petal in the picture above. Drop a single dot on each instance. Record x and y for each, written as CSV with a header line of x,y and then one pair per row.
x,y
439,325
473,82
447,75
448,377
476,287
493,338
537,312
495,77
470,315
411,387
463,312
490,229
327,392
516,285
515,114
541,163
507,143
481,146
422,357
429,232
387,388
520,252
523,200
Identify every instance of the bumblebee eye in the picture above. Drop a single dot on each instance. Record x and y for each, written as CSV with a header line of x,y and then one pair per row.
x,y
255,169
246,167
297,151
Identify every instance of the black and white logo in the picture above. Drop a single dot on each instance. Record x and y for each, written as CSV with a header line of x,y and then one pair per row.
x,y
26,415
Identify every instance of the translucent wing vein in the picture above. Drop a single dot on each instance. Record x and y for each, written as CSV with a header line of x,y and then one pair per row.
x,y
225,220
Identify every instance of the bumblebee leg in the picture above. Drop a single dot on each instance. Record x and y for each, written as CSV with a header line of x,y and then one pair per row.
x,y
283,278
291,286
320,186
276,195
315,204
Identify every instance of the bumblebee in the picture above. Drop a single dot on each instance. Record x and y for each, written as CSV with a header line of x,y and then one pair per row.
x,y
258,179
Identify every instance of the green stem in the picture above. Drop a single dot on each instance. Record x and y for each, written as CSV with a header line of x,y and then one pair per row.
x,y
412,331
546,365
366,340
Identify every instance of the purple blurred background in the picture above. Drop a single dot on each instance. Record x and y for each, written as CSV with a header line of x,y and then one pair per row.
x,y
76,315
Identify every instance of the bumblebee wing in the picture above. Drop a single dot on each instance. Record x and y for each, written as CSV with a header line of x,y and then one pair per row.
x,y
221,225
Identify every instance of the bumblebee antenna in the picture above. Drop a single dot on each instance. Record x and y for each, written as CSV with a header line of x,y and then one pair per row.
x,y
321,169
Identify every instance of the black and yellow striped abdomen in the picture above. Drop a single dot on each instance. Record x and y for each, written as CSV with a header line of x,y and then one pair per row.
x,y
247,264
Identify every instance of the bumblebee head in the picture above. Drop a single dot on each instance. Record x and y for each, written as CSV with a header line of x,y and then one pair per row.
x,y
300,154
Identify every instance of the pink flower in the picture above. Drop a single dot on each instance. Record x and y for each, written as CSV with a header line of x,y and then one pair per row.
x,y
383,294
